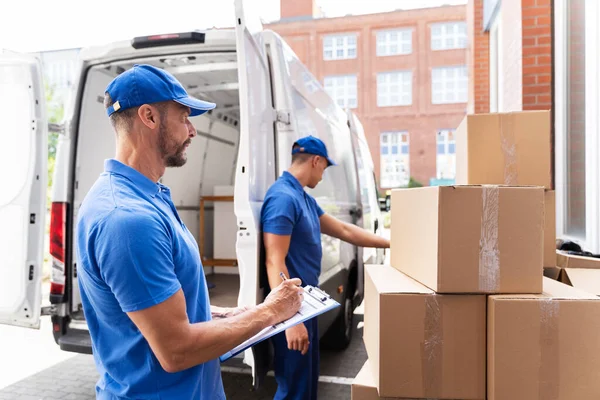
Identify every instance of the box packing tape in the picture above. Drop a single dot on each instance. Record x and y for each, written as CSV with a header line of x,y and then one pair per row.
x,y
549,350
489,255
431,348
509,149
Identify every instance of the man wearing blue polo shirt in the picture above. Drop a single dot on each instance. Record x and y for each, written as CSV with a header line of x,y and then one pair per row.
x,y
142,284
292,223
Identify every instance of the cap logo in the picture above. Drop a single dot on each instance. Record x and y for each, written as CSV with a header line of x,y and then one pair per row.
x,y
302,150
116,106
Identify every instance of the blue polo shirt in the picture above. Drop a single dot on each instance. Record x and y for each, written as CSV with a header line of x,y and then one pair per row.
x,y
289,210
135,252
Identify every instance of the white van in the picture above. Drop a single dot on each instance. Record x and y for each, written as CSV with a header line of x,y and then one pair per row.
x,y
266,99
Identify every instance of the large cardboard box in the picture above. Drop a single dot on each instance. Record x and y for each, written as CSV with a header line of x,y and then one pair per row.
x,y
504,149
422,344
550,228
565,260
544,346
470,239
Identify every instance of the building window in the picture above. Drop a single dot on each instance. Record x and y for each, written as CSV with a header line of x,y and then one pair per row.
x,y
339,47
449,85
342,89
449,35
446,154
394,42
395,158
394,89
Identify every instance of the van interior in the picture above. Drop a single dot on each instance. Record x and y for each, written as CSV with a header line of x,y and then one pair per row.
x,y
210,167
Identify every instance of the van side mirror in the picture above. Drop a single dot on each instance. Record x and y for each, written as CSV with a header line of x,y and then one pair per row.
x,y
384,204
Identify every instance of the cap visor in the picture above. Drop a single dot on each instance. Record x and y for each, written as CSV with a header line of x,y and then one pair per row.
x,y
197,107
331,162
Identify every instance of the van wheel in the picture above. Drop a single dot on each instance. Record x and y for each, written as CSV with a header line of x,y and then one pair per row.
x,y
339,335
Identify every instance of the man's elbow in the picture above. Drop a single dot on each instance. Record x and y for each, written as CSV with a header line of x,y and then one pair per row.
x,y
172,362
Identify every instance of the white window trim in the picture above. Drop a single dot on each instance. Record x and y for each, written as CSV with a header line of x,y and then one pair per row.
x,y
400,85
400,32
456,40
444,67
447,142
592,145
334,38
496,66
385,183
346,89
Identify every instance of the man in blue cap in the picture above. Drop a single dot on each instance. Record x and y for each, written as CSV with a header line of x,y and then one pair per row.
x,y
292,223
154,334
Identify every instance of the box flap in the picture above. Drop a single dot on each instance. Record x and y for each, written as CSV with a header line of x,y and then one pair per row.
x,y
552,290
364,377
564,260
584,279
552,272
390,280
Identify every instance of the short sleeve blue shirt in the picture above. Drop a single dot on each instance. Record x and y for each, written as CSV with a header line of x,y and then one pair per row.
x,y
289,210
135,252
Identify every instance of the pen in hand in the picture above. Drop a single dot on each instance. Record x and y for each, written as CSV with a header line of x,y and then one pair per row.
x,y
282,275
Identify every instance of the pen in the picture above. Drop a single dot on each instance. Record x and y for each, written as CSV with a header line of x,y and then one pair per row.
x,y
282,275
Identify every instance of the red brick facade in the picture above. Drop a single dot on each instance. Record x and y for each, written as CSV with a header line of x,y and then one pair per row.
x,y
526,55
422,119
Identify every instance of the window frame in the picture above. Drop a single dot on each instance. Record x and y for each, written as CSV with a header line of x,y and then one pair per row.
x,y
444,35
456,68
346,87
400,95
388,43
345,46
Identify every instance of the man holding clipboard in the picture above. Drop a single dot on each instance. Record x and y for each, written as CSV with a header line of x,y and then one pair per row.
x,y
292,223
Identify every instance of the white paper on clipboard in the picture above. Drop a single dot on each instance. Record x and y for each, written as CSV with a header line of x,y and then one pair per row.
x,y
315,302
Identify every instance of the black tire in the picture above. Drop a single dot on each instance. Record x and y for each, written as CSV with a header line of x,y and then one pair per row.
x,y
339,335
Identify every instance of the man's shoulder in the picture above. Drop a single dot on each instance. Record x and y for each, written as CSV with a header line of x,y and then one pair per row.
x,y
110,203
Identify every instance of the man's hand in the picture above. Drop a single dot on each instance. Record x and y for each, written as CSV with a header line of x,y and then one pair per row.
x,y
285,300
297,338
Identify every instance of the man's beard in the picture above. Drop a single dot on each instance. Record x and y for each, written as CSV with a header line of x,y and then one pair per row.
x,y
173,158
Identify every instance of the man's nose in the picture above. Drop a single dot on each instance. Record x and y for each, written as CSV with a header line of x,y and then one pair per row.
x,y
192,130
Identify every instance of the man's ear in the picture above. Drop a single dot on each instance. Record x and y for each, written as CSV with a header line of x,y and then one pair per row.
x,y
315,161
149,116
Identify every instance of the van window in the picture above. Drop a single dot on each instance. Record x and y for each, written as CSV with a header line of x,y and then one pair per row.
x,y
338,182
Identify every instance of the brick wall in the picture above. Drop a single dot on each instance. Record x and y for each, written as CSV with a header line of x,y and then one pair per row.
x,y
298,8
537,54
479,70
422,119
512,56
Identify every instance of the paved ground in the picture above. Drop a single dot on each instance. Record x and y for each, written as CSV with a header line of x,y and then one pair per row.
x,y
74,379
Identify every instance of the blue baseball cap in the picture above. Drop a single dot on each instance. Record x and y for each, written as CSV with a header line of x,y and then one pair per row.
x,y
314,146
145,84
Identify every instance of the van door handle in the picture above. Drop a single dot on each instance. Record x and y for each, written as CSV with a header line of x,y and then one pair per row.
x,y
376,225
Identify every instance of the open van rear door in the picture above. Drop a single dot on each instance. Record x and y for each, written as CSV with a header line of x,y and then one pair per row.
x,y
255,168
23,135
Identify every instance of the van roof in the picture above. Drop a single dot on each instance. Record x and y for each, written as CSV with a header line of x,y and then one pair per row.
x,y
216,40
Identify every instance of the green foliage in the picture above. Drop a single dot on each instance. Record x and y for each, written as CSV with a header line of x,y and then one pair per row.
x,y
413,183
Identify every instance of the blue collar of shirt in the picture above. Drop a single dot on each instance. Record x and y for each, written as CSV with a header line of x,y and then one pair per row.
x,y
136,177
292,180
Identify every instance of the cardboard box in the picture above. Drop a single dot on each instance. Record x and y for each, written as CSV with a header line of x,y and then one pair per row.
x,y
552,272
469,239
421,344
363,386
582,278
544,346
504,149
550,228
564,260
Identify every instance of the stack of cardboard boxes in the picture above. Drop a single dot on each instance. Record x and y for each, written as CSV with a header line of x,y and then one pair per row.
x,y
464,311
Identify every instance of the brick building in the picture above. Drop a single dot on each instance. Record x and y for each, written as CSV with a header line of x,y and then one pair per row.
x,y
403,73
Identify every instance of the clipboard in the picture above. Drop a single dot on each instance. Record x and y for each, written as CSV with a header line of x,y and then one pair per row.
x,y
315,303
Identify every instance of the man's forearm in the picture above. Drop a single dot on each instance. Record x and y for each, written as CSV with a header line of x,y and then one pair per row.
x,y
226,312
363,238
273,270
208,340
